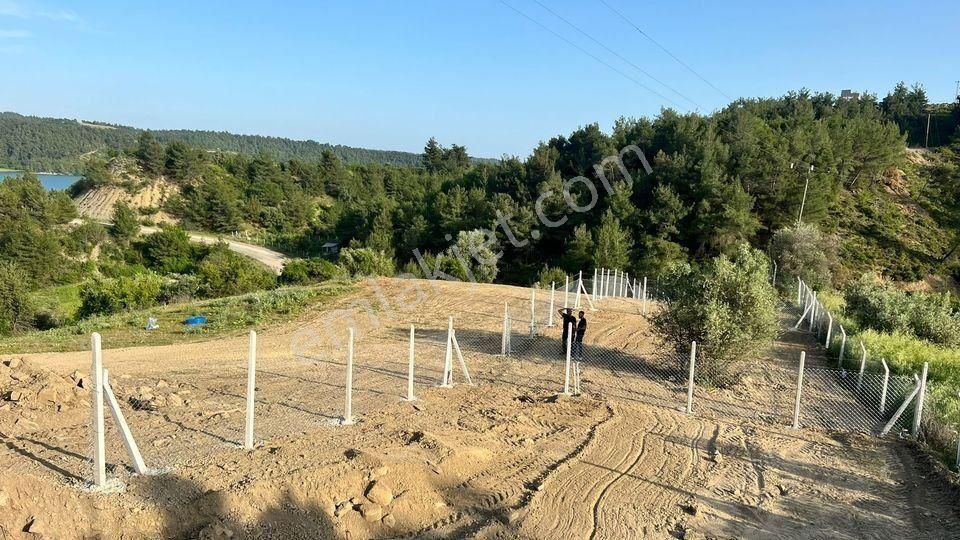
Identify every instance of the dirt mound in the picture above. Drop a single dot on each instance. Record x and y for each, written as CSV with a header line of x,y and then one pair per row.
x,y
30,395
97,203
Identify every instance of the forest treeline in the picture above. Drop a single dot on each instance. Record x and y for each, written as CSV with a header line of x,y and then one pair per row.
x,y
716,181
59,145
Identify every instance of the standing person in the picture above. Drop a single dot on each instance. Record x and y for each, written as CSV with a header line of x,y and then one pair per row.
x,y
578,338
566,320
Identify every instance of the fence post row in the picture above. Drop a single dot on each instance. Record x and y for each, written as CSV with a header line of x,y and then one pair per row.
x,y
251,389
796,404
690,376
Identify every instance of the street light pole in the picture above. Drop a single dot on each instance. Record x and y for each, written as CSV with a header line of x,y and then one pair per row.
x,y
803,201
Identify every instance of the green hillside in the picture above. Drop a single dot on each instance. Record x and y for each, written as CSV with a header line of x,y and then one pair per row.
x,y
57,144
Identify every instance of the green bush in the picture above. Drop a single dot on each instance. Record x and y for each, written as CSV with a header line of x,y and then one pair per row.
x,y
303,271
552,275
169,251
366,262
728,307
883,308
906,354
224,273
179,288
16,308
103,296
802,250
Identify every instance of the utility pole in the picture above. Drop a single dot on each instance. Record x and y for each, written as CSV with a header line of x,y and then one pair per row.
x,y
806,186
926,140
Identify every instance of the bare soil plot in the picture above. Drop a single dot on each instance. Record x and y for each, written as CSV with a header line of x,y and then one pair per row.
x,y
505,458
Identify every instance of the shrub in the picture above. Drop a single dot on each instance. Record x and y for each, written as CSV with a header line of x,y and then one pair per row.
x,y
366,262
802,250
728,306
168,251
303,271
883,308
179,288
552,275
103,296
16,309
224,273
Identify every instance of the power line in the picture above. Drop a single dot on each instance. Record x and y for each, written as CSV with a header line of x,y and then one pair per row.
x,y
591,55
664,49
618,55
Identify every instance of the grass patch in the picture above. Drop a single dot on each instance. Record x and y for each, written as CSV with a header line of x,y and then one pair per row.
x,y
225,316
62,299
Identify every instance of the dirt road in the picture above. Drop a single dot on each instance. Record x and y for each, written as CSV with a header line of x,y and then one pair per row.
x,y
269,258
506,458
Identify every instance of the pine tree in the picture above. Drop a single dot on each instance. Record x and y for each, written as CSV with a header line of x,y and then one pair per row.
x,y
613,243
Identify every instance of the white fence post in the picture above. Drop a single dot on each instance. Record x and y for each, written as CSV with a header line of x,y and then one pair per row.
x,y
690,376
553,290
886,382
829,331
774,281
506,330
566,291
566,376
799,290
593,285
533,311
923,392
902,408
128,441
99,447
579,286
843,346
644,295
463,363
251,389
448,356
796,404
410,396
348,402
863,365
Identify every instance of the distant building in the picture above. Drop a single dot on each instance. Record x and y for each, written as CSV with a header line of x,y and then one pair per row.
x,y
330,248
849,94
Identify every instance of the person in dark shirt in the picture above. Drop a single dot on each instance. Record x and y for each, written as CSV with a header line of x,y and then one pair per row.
x,y
578,338
566,320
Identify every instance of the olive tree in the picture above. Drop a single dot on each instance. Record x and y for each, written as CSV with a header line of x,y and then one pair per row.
x,y
727,306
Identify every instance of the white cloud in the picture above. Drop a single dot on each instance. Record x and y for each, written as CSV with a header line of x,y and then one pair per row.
x,y
59,15
13,34
16,8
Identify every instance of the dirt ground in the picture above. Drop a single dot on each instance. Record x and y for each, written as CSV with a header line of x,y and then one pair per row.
x,y
506,457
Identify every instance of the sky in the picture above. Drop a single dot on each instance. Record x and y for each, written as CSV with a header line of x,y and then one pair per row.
x,y
497,76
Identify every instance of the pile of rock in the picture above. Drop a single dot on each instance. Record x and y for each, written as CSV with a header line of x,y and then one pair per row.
x,y
22,386
373,506
156,397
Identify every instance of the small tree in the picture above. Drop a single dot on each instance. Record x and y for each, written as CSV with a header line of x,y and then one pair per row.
x,y
125,223
728,307
474,249
366,262
15,306
612,243
803,251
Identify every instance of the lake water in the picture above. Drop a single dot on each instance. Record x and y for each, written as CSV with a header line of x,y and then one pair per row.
x,y
49,181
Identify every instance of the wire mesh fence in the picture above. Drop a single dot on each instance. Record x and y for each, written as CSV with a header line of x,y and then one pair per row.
x,y
194,402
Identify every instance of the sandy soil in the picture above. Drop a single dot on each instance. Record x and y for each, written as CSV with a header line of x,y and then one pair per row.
x,y
505,458
97,204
